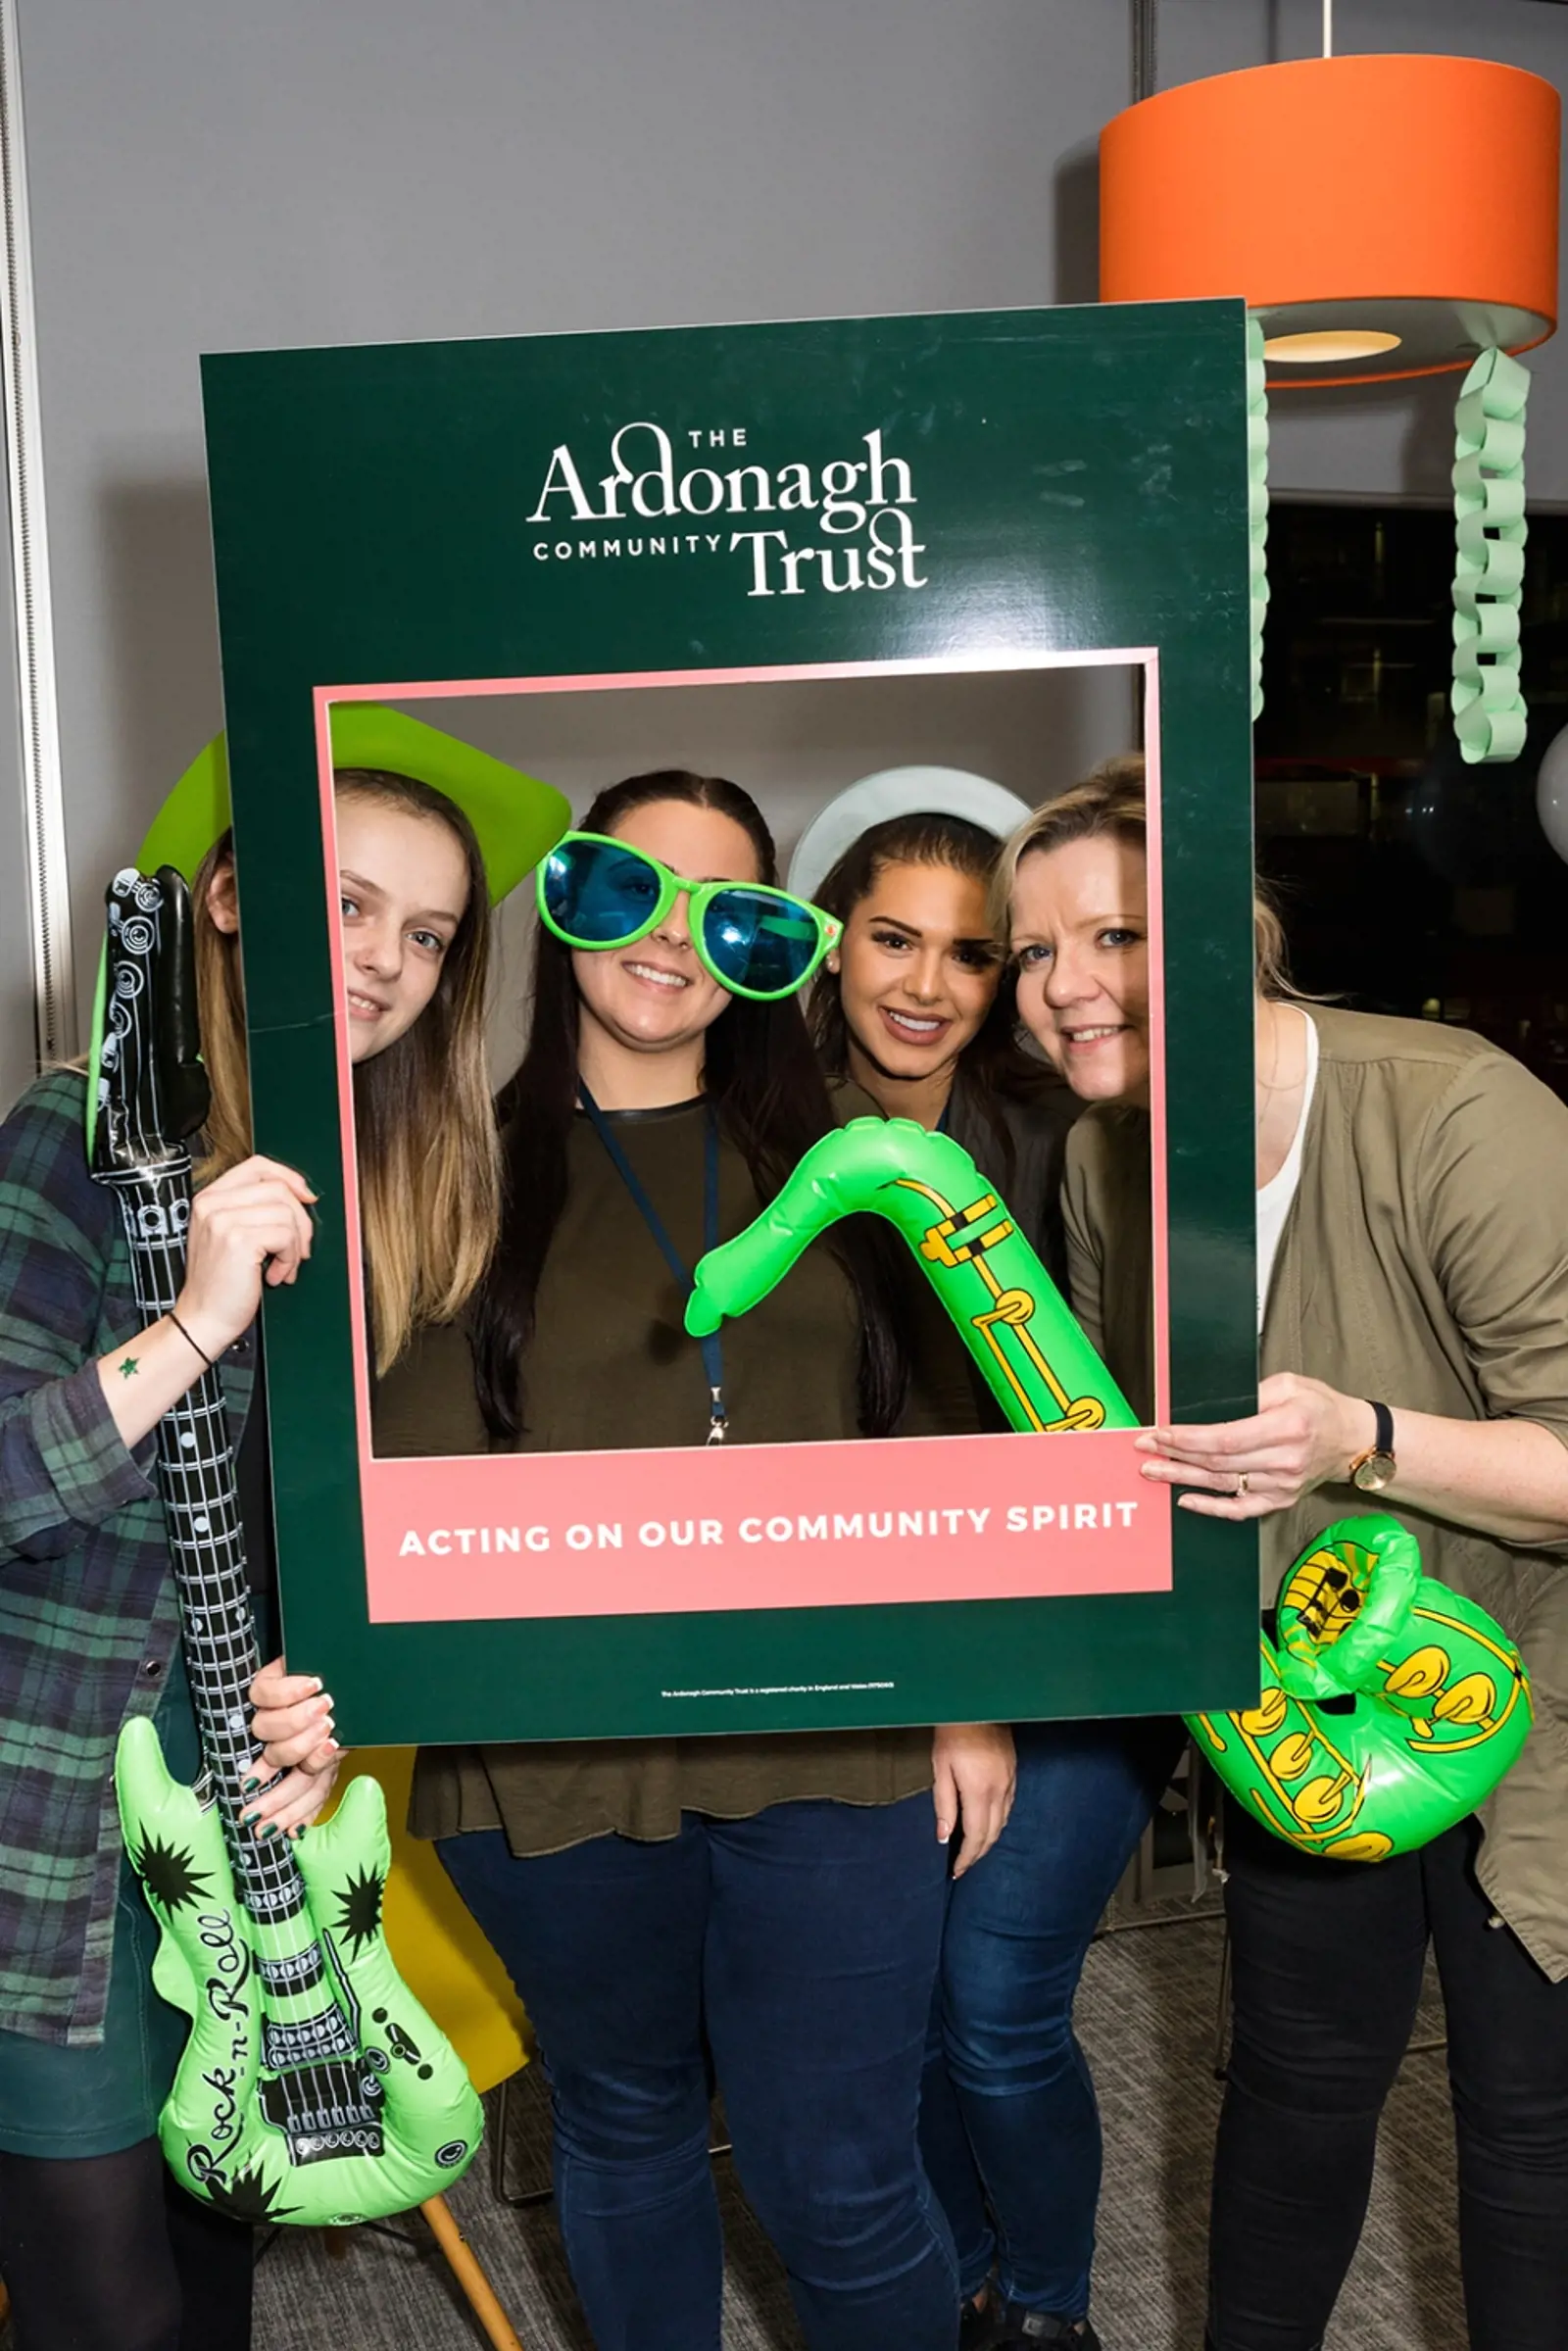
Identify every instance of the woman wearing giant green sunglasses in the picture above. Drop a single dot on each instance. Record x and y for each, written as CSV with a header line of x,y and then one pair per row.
x,y
772,1905
596,892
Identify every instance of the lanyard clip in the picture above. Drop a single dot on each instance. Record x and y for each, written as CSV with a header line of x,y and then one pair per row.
x,y
719,1419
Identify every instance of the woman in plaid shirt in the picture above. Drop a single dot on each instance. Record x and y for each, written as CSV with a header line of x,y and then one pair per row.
x,y
97,2244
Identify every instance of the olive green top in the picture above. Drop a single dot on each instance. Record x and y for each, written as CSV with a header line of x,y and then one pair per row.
x,y
1424,1263
610,1367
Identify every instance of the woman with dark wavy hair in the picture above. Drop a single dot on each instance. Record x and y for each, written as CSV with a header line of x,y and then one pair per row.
x,y
763,1909
916,1006
919,1006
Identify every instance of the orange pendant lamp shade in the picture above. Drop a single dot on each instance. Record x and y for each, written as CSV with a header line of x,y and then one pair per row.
x,y
1383,216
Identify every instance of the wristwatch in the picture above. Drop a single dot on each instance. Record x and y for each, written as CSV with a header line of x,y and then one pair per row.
x,y
1376,1468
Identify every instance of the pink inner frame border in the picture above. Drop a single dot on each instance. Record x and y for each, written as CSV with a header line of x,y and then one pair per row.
x,y
471,1585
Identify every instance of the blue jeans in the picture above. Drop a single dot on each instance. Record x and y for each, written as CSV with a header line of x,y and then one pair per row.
x,y
1009,2123
798,1950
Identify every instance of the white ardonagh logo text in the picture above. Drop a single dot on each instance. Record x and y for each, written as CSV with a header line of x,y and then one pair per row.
x,y
856,504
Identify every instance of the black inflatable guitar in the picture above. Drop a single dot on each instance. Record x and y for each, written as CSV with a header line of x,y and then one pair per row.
x,y
314,2088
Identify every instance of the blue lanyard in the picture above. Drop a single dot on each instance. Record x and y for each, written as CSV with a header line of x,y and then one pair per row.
x,y
713,1352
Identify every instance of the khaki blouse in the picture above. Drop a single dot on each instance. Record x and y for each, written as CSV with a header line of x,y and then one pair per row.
x,y
1424,1262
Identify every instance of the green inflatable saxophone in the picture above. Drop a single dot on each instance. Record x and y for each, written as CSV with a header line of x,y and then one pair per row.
x,y
1438,1702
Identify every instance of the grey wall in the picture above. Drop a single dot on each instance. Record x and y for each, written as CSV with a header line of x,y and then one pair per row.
x,y
208,174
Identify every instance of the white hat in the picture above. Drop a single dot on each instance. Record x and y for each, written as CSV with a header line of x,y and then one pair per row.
x,y
897,792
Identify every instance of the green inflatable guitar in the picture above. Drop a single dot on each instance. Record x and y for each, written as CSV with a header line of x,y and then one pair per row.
x,y
1439,1699
314,2088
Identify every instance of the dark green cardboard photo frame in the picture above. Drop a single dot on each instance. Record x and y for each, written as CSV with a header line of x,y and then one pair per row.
x,y
915,496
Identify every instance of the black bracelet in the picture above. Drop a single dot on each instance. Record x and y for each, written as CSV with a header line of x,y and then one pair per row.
x,y
195,1342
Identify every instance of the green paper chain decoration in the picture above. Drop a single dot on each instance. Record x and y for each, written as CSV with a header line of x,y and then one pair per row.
x,y
1258,500
1488,507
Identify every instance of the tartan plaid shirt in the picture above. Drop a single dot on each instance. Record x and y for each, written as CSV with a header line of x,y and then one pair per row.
x,y
88,1613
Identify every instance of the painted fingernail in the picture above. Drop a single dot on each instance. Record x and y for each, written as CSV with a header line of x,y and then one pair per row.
x,y
249,1820
944,1831
271,1829
298,1836
247,1788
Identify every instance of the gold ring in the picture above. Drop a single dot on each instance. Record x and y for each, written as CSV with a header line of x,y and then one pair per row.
x,y
1241,1482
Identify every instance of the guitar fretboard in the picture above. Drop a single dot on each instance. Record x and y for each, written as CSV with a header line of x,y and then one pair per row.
x,y
207,1546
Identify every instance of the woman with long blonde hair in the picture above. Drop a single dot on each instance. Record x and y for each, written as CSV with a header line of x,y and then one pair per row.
x,y
428,1162
98,2245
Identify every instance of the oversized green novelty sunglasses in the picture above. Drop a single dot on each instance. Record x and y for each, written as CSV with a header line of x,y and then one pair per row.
x,y
596,892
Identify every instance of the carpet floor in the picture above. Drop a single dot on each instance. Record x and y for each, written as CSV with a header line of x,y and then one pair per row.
x,y
1147,2017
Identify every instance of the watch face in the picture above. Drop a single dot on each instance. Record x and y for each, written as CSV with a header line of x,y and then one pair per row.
x,y
1373,1472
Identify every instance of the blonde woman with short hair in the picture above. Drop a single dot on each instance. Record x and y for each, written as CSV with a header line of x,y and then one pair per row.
x,y
1412,1305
